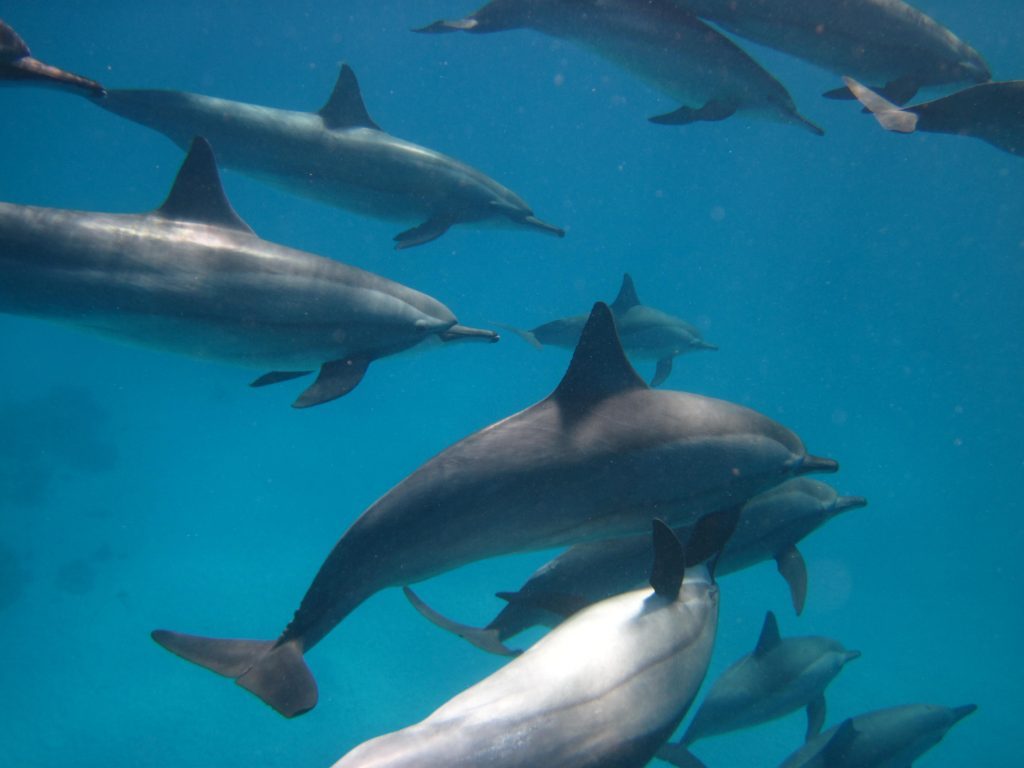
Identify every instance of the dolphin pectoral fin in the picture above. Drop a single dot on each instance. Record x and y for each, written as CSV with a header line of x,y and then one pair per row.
x,y
662,371
794,570
899,91
559,603
337,378
431,229
484,639
712,112
276,377
678,755
276,673
345,107
815,716
888,115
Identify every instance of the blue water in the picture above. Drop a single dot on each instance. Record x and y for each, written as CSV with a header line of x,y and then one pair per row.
x,y
865,290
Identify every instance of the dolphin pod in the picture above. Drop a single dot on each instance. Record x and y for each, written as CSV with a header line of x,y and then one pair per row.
x,y
191,277
667,47
598,458
605,688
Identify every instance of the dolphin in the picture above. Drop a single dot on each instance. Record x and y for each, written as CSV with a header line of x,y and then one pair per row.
x,y
886,738
668,48
604,689
779,677
338,156
770,526
645,332
992,112
883,41
598,458
191,277
17,64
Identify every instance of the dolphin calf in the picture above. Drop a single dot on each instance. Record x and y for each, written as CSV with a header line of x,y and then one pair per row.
x,y
191,277
893,737
17,64
886,42
604,689
646,333
779,677
769,528
668,48
992,112
598,458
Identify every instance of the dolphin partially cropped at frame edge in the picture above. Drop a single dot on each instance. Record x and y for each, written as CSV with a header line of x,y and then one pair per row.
x,y
670,49
598,458
192,277
18,64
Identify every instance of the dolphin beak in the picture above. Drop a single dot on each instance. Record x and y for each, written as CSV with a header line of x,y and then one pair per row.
x,y
844,503
701,344
543,226
851,655
808,464
959,713
34,68
465,333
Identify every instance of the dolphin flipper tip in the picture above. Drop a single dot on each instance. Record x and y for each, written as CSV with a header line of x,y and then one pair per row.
x,y
483,638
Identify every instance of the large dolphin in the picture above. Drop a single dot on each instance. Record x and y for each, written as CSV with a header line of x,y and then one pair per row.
x,y
191,277
646,333
604,689
770,526
668,48
885,42
778,677
598,458
886,738
17,63
992,112
338,155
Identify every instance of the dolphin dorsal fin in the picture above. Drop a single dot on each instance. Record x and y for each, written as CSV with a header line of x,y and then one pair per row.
x,y
599,367
12,47
197,194
669,562
840,743
627,298
770,636
345,107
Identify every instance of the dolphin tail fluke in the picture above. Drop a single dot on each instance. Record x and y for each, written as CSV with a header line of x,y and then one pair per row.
x,y
713,111
678,755
337,378
888,115
483,638
528,336
428,231
793,569
275,672
17,63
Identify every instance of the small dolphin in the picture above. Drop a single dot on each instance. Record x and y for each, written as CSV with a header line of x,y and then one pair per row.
x,y
882,41
779,677
668,48
885,738
598,458
604,689
191,277
992,112
646,333
17,64
770,526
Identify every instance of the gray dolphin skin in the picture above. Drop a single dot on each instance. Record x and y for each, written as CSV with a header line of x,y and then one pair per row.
x,y
646,333
992,112
191,277
885,42
663,45
779,677
769,528
603,690
886,738
18,64
598,458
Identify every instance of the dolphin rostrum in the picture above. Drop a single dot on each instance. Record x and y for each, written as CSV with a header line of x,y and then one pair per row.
x,y
18,63
779,677
598,458
604,689
646,333
667,47
770,526
191,277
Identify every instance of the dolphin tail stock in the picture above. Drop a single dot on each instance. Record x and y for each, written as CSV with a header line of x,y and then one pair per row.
x,y
465,333
484,638
678,755
528,336
17,63
273,671
888,115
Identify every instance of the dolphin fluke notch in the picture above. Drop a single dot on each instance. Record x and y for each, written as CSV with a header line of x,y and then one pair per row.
x,y
17,63
276,673
888,115
345,108
484,638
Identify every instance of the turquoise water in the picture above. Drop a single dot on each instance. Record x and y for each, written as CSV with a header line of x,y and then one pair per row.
x,y
865,290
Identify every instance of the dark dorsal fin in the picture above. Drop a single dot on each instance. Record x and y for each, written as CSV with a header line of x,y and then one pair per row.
x,y
11,45
840,743
627,297
197,194
770,636
599,367
345,107
669,563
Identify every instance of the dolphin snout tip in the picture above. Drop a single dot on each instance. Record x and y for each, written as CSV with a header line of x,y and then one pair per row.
x,y
809,464
959,713
543,226
844,503
851,655
705,345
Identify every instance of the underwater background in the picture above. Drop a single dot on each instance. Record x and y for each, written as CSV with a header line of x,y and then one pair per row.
x,y
865,289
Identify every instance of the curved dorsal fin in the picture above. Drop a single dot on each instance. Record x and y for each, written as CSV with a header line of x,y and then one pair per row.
x,y
770,636
11,45
197,194
627,297
669,562
599,367
345,107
